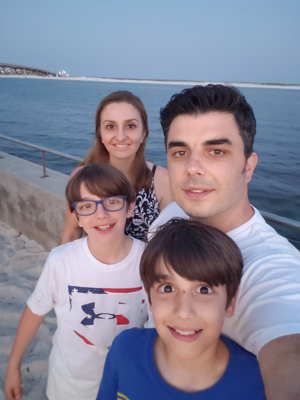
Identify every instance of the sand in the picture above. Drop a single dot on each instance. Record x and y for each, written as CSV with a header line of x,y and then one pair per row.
x,y
21,263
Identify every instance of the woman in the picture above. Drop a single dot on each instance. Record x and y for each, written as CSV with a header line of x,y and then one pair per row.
x,y
121,134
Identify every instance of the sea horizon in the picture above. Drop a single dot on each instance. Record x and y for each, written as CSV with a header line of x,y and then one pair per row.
x,y
162,81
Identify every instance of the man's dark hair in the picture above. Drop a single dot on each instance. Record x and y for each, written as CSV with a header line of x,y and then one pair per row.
x,y
196,252
212,98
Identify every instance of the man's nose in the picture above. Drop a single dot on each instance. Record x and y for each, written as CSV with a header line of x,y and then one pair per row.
x,y
195,165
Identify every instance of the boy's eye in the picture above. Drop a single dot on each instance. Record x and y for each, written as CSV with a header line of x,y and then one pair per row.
x,y
85,206
204,290
166,289
112,201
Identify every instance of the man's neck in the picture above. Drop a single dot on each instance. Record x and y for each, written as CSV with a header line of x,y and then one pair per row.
x,y
191,375
230,220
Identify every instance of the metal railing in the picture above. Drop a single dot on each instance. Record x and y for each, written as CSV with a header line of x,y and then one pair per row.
x,y
44,150
290,223
280,220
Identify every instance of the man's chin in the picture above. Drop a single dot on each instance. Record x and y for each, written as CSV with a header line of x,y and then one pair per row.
x,y
194,211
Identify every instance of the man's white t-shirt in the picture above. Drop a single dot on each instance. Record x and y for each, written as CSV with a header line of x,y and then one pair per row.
x,y
268,301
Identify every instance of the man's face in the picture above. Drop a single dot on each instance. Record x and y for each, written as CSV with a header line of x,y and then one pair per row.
x,y
208,170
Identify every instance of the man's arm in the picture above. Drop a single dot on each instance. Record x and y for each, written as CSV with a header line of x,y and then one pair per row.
x,y
279,362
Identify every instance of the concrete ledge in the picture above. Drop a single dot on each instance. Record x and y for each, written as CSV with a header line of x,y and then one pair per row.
x,y
31,204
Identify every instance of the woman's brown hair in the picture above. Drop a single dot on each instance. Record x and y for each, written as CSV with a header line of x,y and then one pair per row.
x,y
139,170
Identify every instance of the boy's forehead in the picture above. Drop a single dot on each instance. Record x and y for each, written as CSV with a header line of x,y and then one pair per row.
x,y
83,190
163,268
85,193
165,271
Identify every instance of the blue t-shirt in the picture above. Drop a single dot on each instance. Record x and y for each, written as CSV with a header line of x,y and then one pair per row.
x,y
130,373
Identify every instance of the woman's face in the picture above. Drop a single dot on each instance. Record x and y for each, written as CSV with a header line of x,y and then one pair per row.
x,y
121,130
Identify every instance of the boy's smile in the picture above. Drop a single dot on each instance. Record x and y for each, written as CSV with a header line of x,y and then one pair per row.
x,y
185,335
104,228
188,315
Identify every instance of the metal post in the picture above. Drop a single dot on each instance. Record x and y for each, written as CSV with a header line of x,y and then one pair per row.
x,y
44,165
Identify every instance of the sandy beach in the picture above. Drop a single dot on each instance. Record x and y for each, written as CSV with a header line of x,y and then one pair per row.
x,y
21,263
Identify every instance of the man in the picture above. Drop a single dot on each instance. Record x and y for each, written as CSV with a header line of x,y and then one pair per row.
x,y
209,133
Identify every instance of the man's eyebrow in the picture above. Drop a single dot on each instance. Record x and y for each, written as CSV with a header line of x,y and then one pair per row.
x,y
176,143
213,142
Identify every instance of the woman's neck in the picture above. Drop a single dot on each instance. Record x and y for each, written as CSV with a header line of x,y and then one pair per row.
x,y
123,165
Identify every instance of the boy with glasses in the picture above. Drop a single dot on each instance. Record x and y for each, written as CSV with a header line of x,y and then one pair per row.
x,y
92,283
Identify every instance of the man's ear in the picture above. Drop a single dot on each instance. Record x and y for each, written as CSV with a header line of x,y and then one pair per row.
x,y
230,309
130,210
250,166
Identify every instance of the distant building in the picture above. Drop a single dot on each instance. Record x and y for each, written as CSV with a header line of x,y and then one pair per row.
x,y
63,74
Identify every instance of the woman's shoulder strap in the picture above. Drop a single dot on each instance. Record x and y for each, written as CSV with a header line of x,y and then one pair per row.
x,y
153,169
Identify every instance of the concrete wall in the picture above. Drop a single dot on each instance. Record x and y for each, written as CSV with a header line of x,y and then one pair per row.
x,y
32,205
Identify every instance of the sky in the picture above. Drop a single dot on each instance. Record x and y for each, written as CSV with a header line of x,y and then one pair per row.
x,y
204,40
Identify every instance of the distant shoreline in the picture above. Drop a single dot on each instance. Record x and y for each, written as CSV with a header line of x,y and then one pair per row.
x,y
161,81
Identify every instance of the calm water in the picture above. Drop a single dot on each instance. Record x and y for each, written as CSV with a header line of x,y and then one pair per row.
x,y
60,115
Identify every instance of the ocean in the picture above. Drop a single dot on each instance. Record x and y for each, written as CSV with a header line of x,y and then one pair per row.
x,y
59,114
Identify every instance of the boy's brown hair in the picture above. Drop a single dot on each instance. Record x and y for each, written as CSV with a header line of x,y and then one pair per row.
x,y
196,252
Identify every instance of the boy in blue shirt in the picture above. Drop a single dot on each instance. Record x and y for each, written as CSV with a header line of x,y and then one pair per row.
x,y
191,273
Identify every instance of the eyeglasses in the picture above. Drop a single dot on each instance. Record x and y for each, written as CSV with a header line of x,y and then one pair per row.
x,y
89,207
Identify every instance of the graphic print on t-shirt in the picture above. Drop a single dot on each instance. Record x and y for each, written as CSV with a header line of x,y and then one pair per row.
x,y
97,315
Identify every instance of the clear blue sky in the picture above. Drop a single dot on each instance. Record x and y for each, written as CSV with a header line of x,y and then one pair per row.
x,y
208,40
